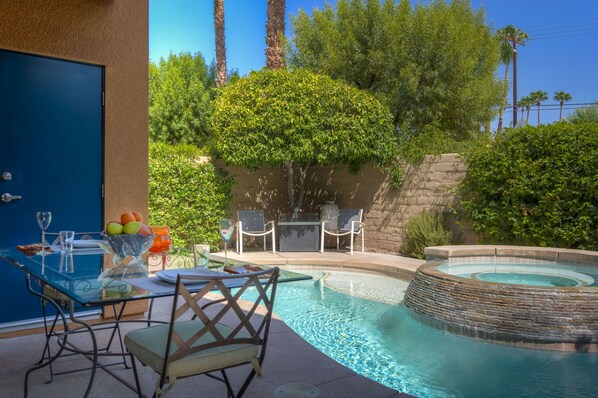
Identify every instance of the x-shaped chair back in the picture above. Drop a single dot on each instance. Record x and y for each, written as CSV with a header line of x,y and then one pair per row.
x,y
242,325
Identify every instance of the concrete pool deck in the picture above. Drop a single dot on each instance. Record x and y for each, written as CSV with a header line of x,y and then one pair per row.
x,y
289,358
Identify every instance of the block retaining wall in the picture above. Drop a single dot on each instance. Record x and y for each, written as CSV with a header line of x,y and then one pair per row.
x,y
428,185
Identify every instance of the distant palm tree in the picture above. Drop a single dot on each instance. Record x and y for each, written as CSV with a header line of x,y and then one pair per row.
x,y
526,104
275,34
538,97
528,107
562,97
506,36
220,45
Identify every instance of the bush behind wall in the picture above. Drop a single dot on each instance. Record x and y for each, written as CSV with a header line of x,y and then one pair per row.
x,y
535,186
186,194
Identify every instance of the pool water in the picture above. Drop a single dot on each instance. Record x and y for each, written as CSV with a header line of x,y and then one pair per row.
x,y
357,322
531,274
521,278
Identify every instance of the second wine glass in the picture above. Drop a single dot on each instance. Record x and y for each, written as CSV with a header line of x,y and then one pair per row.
x,y
226,228
44,218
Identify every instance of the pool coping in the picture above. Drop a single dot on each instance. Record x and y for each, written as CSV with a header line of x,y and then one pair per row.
x,y
543,253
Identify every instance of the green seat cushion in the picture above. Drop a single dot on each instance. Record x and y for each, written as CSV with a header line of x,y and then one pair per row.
x,y
149,345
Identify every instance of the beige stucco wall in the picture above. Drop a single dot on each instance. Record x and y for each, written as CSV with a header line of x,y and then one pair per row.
x,y
386,211
112,33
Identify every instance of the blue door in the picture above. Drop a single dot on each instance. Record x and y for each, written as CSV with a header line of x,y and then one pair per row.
x,y
51,146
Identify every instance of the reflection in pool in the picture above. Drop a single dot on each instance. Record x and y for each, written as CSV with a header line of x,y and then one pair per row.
x,y
379,340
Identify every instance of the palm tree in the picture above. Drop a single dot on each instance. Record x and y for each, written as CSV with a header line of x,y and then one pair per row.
x,y
537,98
220,45
275,34
507,36
528,107
526,104
562,97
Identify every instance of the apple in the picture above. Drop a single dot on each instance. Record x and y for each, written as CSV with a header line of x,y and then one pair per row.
x,y
114,228
145,230
132,227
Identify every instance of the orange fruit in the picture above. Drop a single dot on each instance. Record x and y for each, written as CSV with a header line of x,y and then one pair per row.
x,y
126,218
138,216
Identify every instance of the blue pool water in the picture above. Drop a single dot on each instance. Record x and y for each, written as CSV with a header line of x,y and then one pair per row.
x,y
379,340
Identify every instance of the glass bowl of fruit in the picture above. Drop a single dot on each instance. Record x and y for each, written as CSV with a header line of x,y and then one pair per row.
x,y
126,245
127,241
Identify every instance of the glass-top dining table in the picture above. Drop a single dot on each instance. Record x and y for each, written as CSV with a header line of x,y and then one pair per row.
x,y
89,279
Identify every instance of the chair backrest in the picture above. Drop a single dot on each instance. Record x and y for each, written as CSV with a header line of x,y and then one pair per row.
x,y
345,216
242,327
253,220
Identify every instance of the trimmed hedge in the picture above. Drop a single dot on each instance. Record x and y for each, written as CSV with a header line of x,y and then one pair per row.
x,y
187,195
535,186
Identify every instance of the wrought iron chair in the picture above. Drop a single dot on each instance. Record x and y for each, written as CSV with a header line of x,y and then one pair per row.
x,y
204,344
251,223
349,224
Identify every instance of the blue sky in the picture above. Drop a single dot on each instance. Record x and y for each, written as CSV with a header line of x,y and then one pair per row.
x,y
562,54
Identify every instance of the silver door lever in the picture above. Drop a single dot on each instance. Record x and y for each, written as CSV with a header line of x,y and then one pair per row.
x,y
6,197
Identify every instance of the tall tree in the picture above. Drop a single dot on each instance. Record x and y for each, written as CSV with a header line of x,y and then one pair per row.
x,y
562,97
538,97
414,59
220,43
180,100
507,36
275,58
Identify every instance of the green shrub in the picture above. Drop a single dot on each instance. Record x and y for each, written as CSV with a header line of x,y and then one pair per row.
x,y
423,230
432,141
187,195
535,186
585,115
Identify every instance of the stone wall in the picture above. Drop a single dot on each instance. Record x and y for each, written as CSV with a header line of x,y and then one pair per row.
x,y
549,317
386,211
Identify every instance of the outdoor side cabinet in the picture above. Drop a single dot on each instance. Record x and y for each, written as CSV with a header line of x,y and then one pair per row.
x,y
299,236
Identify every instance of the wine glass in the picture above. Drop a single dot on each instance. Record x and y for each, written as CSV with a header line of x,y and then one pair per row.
x,y
226,228
44,218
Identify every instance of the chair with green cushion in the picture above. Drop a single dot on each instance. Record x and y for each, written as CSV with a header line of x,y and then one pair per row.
x,y
207,339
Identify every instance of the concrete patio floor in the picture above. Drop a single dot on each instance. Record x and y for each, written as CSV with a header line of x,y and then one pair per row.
x,y
289,358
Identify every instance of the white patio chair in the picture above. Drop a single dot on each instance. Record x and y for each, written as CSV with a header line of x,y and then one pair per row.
x,y
251,223
349,223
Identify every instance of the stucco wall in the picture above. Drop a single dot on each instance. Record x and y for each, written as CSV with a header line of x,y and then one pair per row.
x,y
386,211
111,33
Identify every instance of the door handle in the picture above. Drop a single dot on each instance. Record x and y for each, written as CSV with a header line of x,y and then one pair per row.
x,y
6,197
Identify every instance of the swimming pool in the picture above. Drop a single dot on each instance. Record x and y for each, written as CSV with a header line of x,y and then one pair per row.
x,y
355,319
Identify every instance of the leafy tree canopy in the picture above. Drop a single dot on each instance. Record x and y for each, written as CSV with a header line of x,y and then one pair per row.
x,y
295,118
431,64
180,99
